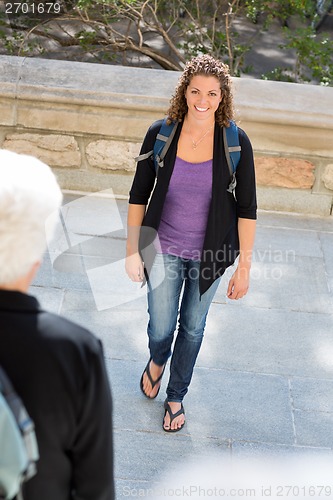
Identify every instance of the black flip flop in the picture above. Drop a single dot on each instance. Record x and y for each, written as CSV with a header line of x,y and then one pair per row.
x,y
167,409
153,382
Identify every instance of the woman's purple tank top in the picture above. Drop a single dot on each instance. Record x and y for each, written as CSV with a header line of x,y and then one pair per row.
x,y
185,212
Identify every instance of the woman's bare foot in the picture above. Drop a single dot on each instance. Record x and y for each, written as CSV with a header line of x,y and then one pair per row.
x,y
177,422
151,389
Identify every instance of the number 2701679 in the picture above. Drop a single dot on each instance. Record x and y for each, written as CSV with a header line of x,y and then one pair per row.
x,y
32,8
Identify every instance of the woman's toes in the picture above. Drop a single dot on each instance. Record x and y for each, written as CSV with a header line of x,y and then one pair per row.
x,y
178,422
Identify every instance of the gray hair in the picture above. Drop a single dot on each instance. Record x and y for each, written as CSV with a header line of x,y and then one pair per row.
x,y
29,195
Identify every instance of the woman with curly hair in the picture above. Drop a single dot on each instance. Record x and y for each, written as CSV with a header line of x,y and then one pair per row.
x,y
192,229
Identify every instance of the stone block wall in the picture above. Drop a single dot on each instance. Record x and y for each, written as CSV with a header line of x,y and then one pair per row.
x,y
87,122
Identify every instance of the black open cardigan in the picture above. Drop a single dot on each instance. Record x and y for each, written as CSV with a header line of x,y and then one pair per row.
x,y
221,243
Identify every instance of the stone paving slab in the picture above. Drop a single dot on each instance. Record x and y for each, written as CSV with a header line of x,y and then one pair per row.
x,y
326,240
49,276
283,244
142,456
251,450
123,331
239,406
314,428
49,298
271,341
312,394
300,285
294,221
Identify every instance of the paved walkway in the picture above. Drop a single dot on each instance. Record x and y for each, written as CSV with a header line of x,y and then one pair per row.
x,y
264,377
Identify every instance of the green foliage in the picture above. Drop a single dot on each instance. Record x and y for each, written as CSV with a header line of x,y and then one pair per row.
x,y
314,58
16,44
86,39
278,74
279,9
84,4
314,55
314,52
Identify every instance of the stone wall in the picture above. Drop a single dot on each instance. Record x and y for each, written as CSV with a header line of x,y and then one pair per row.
x,y
87,122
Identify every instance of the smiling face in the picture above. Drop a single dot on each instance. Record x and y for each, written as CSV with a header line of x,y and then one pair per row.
x,y
203,96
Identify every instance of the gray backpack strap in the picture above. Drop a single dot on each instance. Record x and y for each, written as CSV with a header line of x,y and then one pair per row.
x,y
167,140
144,156
228,150
161,146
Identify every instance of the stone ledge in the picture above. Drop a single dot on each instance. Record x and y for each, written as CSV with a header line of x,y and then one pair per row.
x,y
286,104
67,89
91,131
294,200
150,89
85,83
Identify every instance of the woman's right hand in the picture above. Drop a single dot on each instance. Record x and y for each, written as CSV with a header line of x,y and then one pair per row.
x,y
134,267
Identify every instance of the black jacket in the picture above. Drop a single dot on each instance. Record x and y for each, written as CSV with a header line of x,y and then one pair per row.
x,y
221,244
58,370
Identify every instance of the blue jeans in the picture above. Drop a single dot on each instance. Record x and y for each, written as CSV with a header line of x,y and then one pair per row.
x,y
168,276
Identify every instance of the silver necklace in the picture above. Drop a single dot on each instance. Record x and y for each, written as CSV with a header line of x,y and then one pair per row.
x,y
195,144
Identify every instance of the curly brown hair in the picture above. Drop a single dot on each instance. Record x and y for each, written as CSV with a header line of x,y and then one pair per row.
x,y
208,66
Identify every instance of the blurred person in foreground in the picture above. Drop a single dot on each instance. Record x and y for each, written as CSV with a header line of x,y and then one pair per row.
x,y
56,366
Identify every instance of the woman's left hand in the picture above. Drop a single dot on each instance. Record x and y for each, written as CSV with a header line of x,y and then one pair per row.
x,y
239,283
